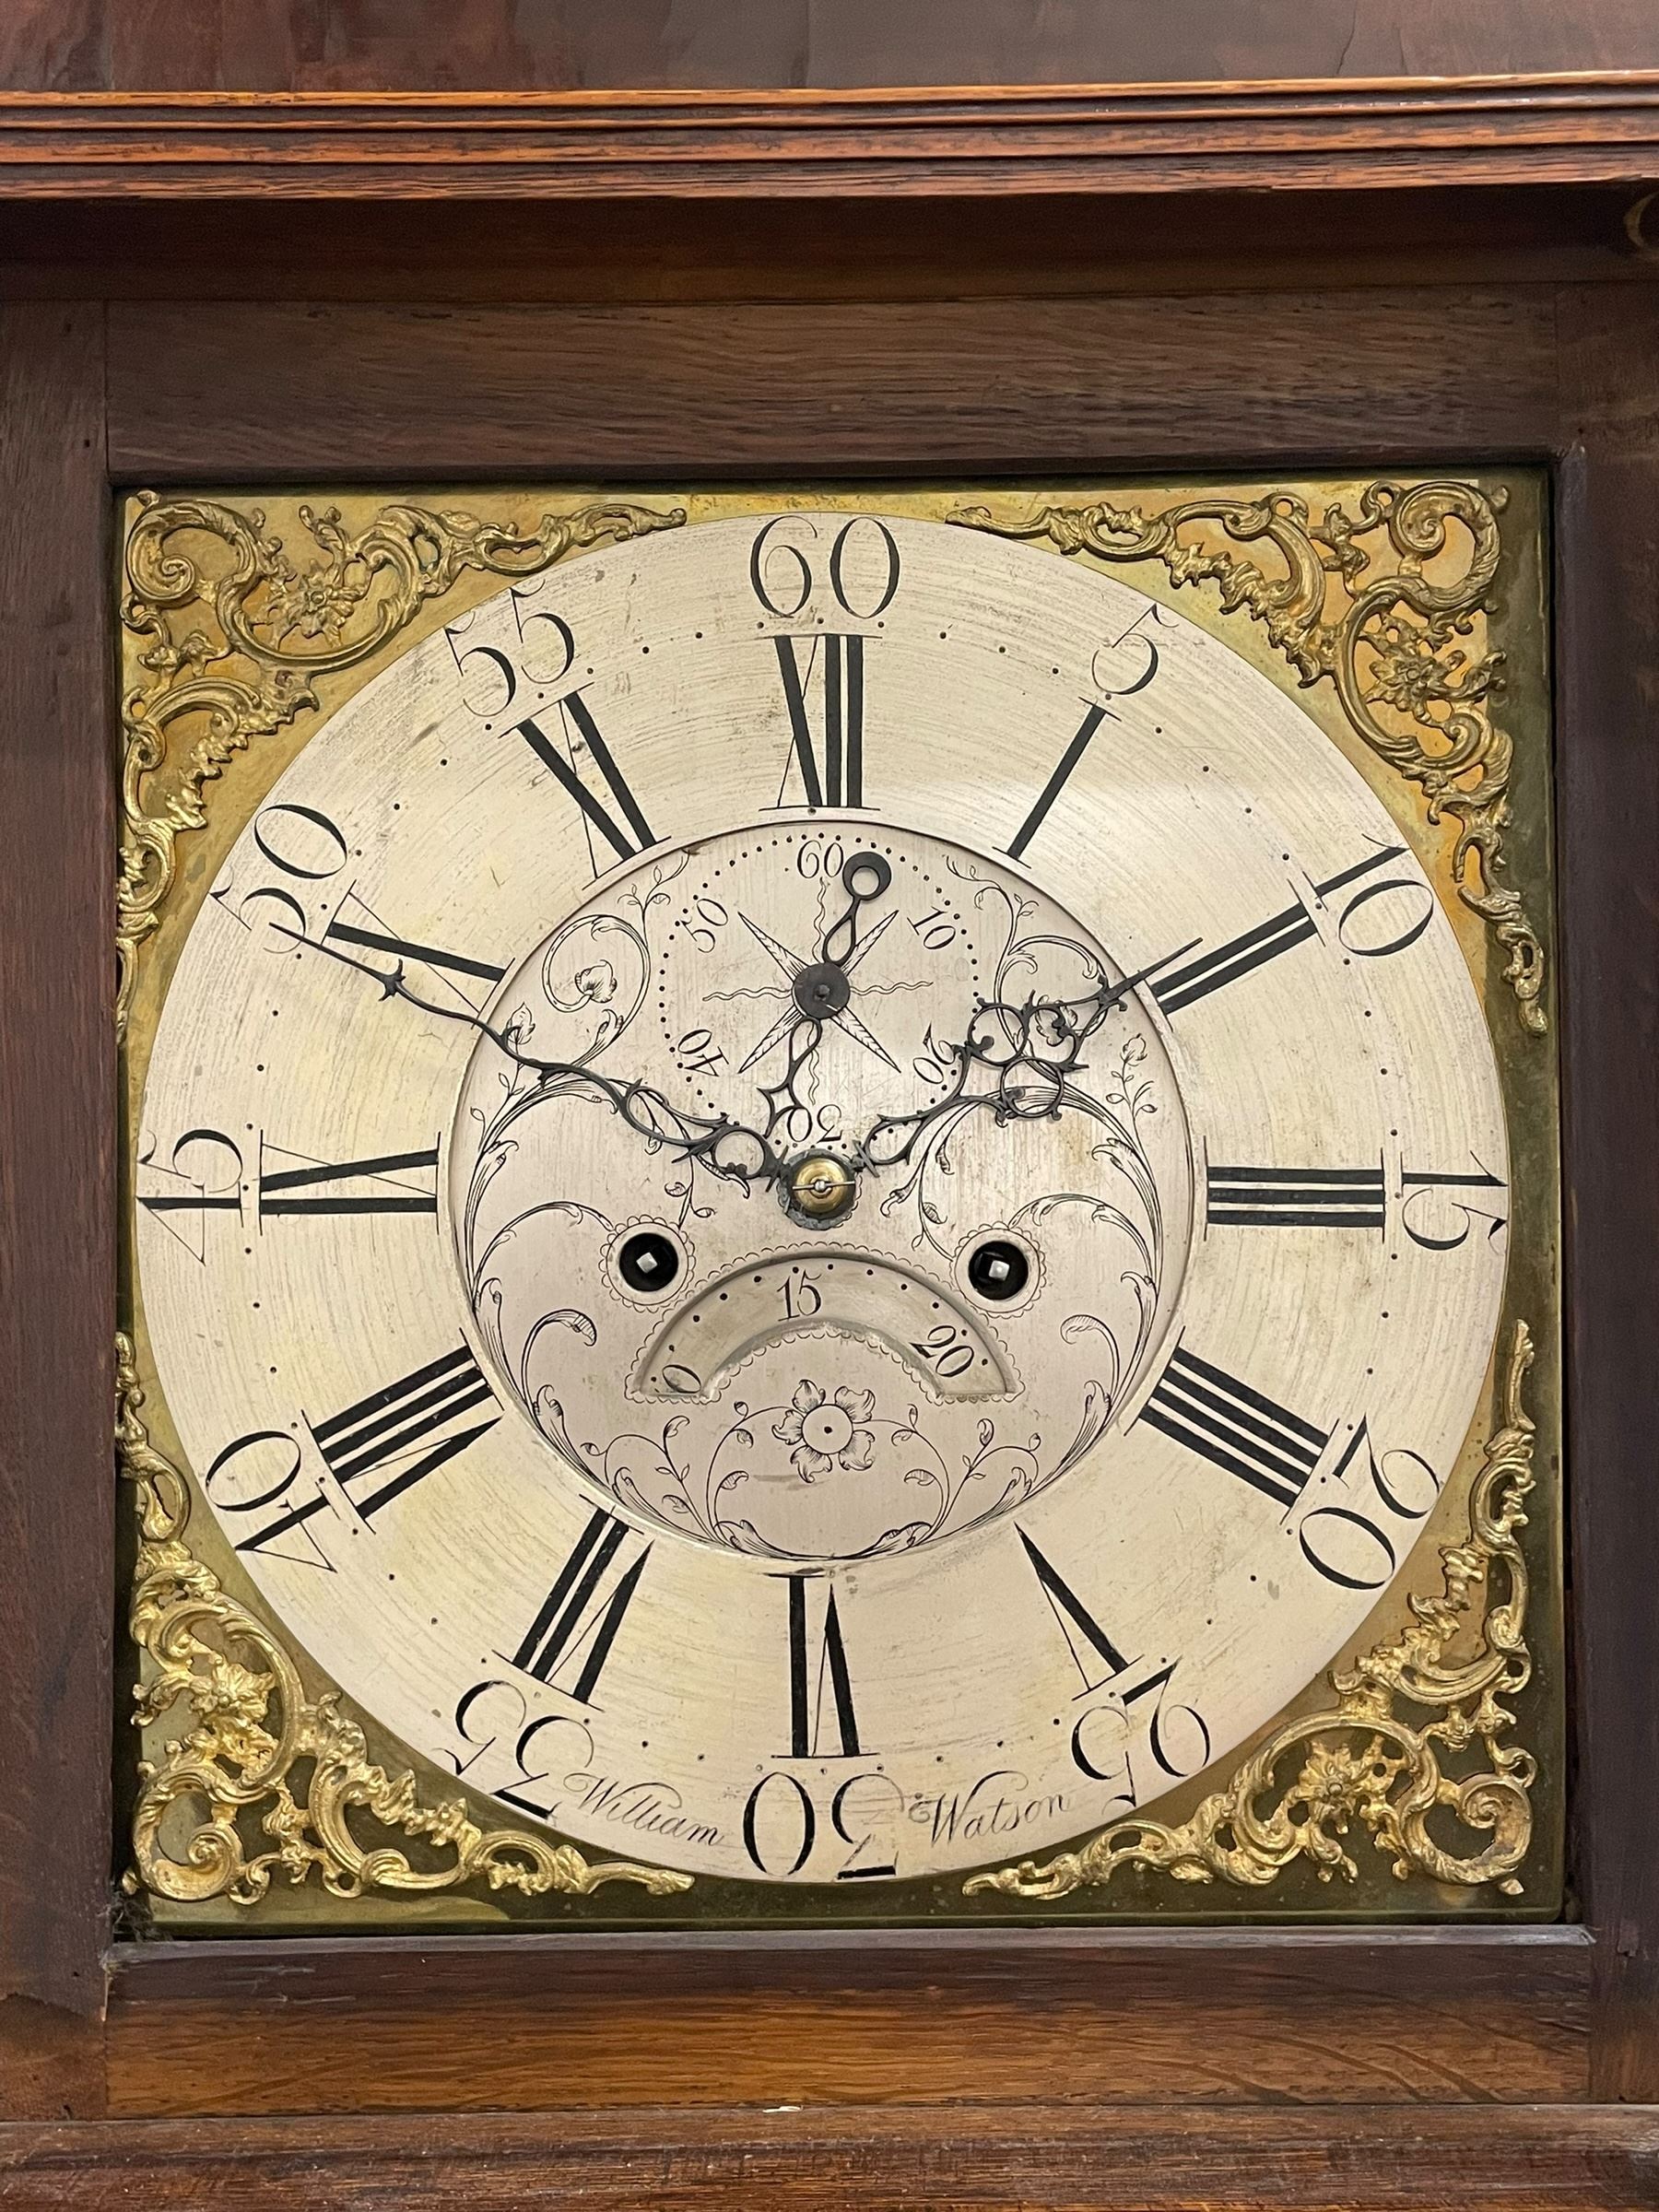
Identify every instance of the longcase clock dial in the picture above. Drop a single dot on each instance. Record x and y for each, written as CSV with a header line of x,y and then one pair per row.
x,y
822,1198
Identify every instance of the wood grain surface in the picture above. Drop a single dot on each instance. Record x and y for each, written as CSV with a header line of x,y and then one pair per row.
x,y
1045,2159
930,388
57,1179
303,45
1576,128
1434,2015
604,252
1608,587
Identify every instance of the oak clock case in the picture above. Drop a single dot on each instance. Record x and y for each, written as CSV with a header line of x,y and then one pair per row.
x,y
835,1199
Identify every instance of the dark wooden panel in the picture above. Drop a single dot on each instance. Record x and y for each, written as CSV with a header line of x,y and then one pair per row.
x,y
1537,1967
377,393
53,46
943,41
57,1134
1123,138
52,2063
601,251
1017,2017
1050,2159
452,43
1608,584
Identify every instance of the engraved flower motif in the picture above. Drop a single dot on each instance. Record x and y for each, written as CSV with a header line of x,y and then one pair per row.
x,y
597,983
824,1428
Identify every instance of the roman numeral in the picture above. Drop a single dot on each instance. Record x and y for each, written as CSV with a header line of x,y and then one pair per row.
x,y
1056,783
626,837
1234,1426
1296,1197
400,1431
1081,1631
1096,712
407,1184
831,775
1210,970
809,1682
356,924
1228,962
574,1622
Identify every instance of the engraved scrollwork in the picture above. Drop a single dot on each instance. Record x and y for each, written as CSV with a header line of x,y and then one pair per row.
x,y
1366,1760
1363,602
256,1749
235,632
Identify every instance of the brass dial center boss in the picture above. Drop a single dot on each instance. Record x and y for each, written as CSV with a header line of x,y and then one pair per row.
x,y
822,1186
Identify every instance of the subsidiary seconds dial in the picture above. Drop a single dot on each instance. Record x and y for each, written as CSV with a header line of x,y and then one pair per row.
x,y
904,947
823,1198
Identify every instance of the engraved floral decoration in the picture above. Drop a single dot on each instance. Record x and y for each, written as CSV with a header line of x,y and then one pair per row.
x,y
255,1751
824,1429
843,1463
1368,1764
235,631
887,1487
1356,604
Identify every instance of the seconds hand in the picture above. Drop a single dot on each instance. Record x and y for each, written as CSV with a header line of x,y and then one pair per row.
x,y
822,990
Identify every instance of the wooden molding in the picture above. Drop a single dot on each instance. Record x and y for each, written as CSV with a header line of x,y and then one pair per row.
x,y
1515,1964
1349,2017
1363,133
1058,2158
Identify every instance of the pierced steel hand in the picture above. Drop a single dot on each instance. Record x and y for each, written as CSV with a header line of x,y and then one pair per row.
x,y
864,876
1032,1050
821,992
792,965
727,1148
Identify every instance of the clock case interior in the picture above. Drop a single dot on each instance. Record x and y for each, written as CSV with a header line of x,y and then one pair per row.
x,y
1228,591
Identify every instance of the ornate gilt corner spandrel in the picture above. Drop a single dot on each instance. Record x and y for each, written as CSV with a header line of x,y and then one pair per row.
x,y
233,633
1365,1761
255,1753
1354,606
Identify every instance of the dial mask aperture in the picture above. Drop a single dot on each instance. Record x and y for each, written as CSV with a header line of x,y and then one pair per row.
x,y
978,1309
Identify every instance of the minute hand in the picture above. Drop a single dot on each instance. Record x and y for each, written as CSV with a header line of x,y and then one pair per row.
x,y
727,1148
1045,1037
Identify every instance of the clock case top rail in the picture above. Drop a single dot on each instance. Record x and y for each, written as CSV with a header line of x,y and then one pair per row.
x,y
1390,132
